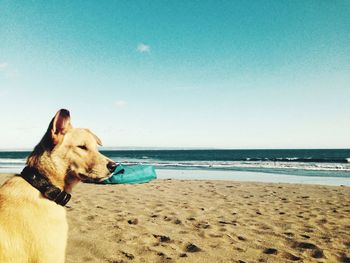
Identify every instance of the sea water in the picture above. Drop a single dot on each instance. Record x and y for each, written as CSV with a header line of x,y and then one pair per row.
x,y
324,166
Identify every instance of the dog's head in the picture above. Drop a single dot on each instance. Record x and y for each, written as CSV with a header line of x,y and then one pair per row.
x,y
70,153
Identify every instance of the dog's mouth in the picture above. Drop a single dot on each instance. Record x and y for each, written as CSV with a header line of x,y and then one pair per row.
x,y
88,179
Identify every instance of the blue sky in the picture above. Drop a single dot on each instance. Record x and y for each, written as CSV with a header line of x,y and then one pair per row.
x,y
222,74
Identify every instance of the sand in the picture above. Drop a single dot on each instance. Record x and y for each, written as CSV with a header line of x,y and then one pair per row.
x,y
208,221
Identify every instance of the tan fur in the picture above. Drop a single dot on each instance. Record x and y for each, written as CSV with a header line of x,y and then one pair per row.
x,y
34,229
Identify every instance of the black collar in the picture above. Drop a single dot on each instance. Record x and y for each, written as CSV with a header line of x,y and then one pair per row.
x,y
43,184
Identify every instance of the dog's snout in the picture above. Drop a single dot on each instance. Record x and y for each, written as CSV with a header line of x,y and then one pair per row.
x,y
111,166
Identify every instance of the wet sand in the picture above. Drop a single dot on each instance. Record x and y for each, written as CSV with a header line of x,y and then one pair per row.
x,y
208,221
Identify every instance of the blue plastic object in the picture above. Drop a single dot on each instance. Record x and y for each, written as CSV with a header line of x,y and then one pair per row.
x,y
132,174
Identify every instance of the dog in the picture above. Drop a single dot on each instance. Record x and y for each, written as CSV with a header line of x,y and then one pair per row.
x,y
33,223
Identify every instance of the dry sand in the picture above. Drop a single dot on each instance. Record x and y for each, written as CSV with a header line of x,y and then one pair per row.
x,y
208,221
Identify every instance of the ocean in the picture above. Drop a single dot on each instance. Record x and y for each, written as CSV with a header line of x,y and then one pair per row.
x,y
312,162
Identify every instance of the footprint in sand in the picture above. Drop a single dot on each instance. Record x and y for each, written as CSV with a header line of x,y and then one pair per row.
x,y
309,230
163,239
166,218
305,245
192,248
289,234
270,251
202,224
233,222
134,221
177,221
316,252
241,238
128,255
164,257
290,256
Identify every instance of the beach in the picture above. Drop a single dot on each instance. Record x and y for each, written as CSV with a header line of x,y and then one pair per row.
x,y
208,221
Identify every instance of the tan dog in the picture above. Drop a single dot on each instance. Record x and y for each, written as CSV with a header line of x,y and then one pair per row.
x,y
33,229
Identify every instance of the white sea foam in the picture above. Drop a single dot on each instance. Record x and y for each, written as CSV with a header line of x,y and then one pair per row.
x,y
292,159
247,165
12,161
243,164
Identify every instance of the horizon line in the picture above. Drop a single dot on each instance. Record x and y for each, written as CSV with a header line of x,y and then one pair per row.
x,y
136,148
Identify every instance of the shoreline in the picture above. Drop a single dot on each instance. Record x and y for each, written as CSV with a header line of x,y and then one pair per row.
x,y
243,176
238,176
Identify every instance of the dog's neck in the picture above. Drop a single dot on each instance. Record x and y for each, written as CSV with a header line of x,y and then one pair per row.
x,y
45,186
60,178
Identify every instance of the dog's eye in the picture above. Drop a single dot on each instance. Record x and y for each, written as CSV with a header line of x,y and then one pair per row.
x,y
83,147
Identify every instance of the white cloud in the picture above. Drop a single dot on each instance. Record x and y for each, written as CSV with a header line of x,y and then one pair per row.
x,y
3,66
143,48
7,71
120,104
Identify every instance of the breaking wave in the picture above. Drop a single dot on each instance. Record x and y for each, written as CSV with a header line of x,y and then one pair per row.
x,y
297,162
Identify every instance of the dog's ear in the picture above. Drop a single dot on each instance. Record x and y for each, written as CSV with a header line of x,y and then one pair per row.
x,y
97,139
59,126
95,136
99,142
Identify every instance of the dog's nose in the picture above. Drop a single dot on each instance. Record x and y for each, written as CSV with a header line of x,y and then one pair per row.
x,y
111,166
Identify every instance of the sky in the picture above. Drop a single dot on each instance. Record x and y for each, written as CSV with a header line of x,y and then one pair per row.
x,y
208,74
